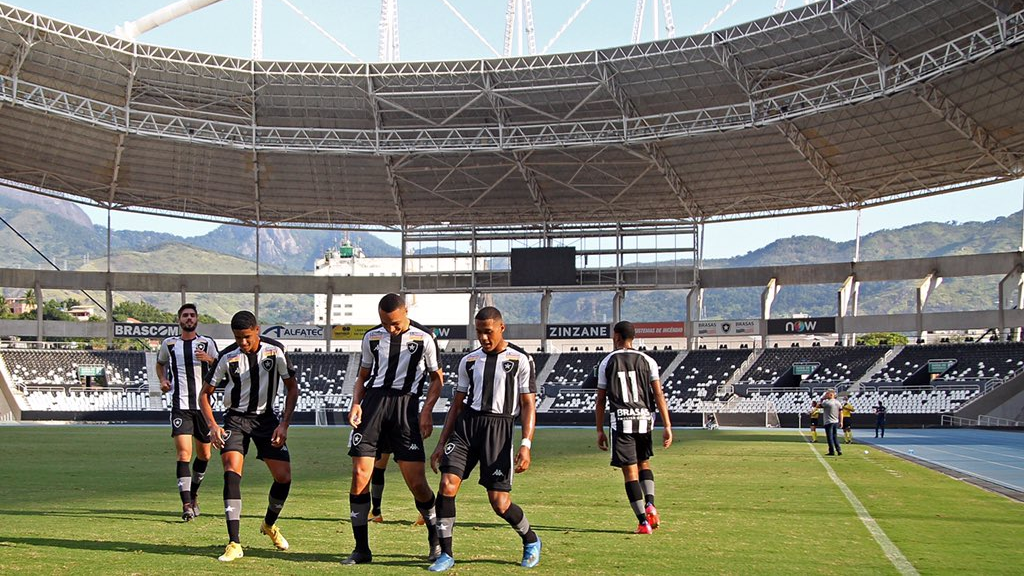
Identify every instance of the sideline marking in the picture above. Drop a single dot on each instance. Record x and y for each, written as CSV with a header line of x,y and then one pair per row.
x,y
891,551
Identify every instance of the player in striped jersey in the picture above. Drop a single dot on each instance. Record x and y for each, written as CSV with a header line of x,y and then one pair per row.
x,y
398,356
252,368
181,364
497,382
628,380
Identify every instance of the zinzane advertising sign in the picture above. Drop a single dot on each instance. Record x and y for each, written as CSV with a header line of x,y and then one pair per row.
x,y
570,331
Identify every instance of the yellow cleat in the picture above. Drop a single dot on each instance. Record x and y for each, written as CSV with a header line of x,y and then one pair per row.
x,y
275,535
232,552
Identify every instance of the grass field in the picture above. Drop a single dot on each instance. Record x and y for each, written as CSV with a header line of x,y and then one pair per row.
x,y
102,500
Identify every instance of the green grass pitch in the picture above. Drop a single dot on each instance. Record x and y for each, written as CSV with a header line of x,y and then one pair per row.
x,y
102,500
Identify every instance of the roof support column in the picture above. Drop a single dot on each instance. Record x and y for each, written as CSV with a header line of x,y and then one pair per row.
x,y
847,294
110,315
545,314
1017,276
328,320
617,298
924,290
771,290
694,305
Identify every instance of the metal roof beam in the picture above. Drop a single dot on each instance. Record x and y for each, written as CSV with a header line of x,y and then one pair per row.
x,y
389,167
965,125
528,174
651,150
818,162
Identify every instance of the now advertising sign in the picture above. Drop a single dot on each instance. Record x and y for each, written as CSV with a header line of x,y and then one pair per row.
x,y
819,325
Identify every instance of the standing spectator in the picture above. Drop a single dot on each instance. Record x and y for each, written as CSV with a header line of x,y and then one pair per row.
x,y
815,414
880,419
848,411
832,411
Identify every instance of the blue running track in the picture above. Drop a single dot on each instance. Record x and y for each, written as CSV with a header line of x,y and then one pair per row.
x,y
988,455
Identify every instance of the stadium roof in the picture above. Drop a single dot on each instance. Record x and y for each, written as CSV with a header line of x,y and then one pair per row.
x,y
835,105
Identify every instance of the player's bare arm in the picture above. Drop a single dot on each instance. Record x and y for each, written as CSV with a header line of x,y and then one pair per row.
x,y
355,415
216,432
528,417
291,398
659,397
449,424
602,440
427,413
161,372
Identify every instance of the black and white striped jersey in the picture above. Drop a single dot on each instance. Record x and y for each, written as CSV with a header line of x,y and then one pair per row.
x,y
399,362
493,382
627,377
252,380
185,371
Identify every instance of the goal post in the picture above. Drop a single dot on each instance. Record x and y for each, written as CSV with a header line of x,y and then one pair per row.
x,y
738,411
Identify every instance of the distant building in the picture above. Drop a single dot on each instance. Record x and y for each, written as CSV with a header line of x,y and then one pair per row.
x,y
82,313
19,306
361,309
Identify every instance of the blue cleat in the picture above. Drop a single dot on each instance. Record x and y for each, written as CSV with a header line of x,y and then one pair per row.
x,y
443,563
531,554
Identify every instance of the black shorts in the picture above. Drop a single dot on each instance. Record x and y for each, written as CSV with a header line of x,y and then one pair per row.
x,y
484,439
630,449
814,422
847,423
189,422
391,424
242,427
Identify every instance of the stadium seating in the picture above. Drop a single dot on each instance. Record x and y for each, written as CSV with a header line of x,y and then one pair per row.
x,y
837,365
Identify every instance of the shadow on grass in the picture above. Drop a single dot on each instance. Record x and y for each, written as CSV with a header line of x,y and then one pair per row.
x,y
207,551
168,517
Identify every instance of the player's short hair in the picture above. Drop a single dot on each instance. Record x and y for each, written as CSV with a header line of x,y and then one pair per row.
x,y
243,320
391,302
188,306
625,329
488,313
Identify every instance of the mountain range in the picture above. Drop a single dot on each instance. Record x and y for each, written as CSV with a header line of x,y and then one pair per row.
x,y
63,232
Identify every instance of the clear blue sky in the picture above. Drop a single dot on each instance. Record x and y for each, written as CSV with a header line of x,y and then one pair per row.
x,y
428,30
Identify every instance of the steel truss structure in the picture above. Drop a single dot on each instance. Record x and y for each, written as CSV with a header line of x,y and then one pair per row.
x,y
835,105
461,259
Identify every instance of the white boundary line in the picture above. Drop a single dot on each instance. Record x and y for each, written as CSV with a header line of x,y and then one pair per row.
x,y
891,551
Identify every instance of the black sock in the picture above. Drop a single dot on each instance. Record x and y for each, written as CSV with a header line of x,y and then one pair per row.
x,y
184,482
376,489
233,503
517,520
426,509
445,511
359,504
198,473
647,483
635,495
278,494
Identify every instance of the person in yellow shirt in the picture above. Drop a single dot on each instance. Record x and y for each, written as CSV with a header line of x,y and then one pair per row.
x,y
815,414
848,411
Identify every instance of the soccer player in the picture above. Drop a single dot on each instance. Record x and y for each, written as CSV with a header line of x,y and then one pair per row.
x,y
181,364
629,381
396,355
880,419
497,382
253,368
848,411
815,414
831,409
